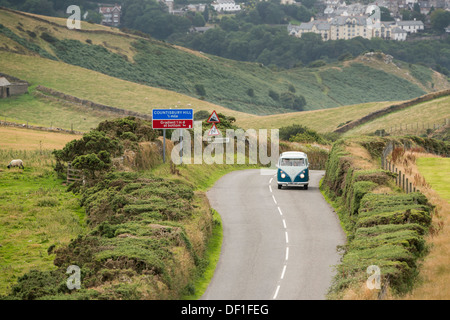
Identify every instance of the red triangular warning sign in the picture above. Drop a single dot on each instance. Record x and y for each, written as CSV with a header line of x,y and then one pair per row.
x,y
213,131
213,118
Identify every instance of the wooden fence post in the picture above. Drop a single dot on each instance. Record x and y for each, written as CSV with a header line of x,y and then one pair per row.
x,y
403,182
407,185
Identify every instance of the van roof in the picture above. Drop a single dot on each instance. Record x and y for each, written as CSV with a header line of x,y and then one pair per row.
x,y
295,154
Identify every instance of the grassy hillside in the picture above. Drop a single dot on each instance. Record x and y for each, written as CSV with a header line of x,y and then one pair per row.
x,y
236,85
412,120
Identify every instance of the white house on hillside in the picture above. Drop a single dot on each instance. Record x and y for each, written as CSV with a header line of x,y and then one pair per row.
x,y
111,14
226,6
411,26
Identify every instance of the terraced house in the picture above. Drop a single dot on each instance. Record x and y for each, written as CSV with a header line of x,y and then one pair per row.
x,y
344,27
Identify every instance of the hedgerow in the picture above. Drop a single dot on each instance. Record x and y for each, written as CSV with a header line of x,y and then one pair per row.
x,y
383,229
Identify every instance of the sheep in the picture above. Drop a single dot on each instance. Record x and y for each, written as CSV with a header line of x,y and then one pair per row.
x,y
16,163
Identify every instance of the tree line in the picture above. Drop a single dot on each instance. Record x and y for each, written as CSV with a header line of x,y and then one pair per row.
x,y
272,46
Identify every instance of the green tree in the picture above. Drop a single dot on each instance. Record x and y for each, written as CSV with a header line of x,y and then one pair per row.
x,y
270,13
206,13
229,24
440,19
198,20
238,50
93,163
94,16
386,14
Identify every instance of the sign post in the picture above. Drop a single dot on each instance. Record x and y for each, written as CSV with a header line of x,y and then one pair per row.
x,y
172,119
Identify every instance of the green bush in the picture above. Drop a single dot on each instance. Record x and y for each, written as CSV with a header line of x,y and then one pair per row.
x,y
300,133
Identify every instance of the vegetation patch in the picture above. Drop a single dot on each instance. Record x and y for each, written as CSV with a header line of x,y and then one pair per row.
x,y
383,229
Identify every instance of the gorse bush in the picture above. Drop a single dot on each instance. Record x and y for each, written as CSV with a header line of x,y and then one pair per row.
x,y
93,153
300,133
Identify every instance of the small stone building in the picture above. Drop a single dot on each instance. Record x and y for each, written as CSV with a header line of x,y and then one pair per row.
x,y
12,87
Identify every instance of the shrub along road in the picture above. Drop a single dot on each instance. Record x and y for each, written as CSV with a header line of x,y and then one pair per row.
x,y
277,244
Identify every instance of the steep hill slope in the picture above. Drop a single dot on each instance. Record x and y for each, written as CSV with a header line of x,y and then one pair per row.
x,y
236,85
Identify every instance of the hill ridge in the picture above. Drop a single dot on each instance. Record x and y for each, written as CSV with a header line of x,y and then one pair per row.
x,y
240,86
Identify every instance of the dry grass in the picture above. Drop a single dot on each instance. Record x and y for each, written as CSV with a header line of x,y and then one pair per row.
x,y
27,139
362,292
122,47
362,158
325,120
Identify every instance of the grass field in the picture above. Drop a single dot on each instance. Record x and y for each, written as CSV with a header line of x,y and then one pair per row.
x,y
437,173
36,211
49,113
325,120
20,140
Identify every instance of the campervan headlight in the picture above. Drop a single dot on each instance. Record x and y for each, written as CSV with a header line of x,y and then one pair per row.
x,y
283,175
302,175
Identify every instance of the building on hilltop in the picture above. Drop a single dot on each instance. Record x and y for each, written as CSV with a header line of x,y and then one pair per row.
x,y
349,27
111,14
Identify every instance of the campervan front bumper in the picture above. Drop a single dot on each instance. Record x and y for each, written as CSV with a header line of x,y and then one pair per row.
x,y
292,184
300,179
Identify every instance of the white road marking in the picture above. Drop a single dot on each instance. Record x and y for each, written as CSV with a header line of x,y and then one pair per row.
x,y
276,292
284,270
279,210
287,241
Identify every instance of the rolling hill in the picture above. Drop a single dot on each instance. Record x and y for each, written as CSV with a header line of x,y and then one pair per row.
x,y
145,73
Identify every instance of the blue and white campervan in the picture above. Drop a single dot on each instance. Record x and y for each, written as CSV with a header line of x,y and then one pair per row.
x,y
293,169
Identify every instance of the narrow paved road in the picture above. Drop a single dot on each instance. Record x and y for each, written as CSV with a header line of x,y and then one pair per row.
x,y
278,244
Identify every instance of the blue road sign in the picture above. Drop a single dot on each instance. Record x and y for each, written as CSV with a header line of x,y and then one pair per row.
x,y
173,114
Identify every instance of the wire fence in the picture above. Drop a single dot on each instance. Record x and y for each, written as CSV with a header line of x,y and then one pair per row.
x,y
401,179
405,180
26,125
416,128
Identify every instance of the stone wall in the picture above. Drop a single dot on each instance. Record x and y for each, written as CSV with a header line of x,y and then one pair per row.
x,y
392,108
53,94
